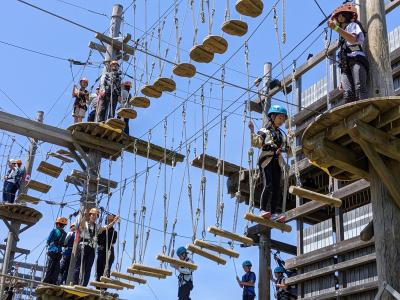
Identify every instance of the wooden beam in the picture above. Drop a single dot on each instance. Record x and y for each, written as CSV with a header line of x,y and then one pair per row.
x,y
25,265
16,249
116,282
351,189
368,232
176,262
151,269
146,273
98,47
196,250
327,252
103,285
326,199
303,210
353,290
267,222
102,181
117,44
216,248
230,235
211,165
129,277
352,263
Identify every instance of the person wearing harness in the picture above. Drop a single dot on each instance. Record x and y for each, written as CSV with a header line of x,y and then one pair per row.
x,y
125,96
55,241
105,248
81,100
110,92
185,277
11,182
66,254
93,100
352,60
248,281
281,289
273,142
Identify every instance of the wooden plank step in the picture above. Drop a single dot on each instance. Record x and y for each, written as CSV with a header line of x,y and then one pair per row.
x,y
38,186
27,198
116,282
128,113
151,269
250,8
151,91
103,285
230,235
235,27
142,102
215,44
216,248
49,169
325,199
211,165
129,277
65,153
267,222
165,84
86,290
60,157
194,249
176,262
184,70
146,273
200,54
80,182
102,181
116,123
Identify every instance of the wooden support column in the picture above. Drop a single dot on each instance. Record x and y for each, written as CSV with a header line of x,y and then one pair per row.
x,y
264,265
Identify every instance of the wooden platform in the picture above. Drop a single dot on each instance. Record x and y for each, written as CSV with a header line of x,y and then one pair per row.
x,y
70,292
38,186
267,222
184,70
211,165
142,102
250,8
49,169
216,248
197,250
215,44
129,277
116,282
116,123
27,198
199,54
235,27
176,262
19,213
230,235
60,157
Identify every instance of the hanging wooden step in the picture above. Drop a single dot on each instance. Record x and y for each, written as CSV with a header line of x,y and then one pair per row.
x,y
102,285
116,282
215,44
60,157
65,153
94,179
211,165
38,186
142,102
49,169
165,84
129,277
146,273
27,198
267,222
127,113
151,91
230,235
19,213
196,250
176,262
116,123
184,70
199,54
216,248
83,289
326,199
250,8
235,27
151,269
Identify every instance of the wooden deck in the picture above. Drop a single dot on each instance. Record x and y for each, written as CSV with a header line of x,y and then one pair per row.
x,y
71,292
19,213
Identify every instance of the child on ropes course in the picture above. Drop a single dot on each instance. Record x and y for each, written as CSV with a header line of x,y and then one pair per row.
x,y
126,95
248,281
66,254
185,277
282,291
352,60
272,142
11,182
93,99
81,100
55,241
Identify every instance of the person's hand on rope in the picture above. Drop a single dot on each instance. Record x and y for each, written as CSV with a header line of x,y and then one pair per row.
x,y
238,279
333,24
251,126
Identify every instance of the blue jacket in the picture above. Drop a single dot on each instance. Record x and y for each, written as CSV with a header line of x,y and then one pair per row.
x,y
68,244
55,240
249,290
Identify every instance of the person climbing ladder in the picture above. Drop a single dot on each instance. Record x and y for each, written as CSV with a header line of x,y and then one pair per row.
x,y
185,277
248,281
81,100
272,142
352,60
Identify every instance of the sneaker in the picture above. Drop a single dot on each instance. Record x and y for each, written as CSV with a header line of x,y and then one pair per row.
x,y
265,214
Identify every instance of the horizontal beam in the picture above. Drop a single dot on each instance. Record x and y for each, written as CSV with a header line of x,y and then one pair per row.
x,y
211,165
303,210
362,288
25,265
325,199
267,222
16,249
102,181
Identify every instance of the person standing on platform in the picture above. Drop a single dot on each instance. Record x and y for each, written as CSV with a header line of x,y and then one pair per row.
x,y
352,59
55,241
125,96
110,92
22,171
248,281
93,99
185,277
66,254
11,182
81,96
273,142
282,291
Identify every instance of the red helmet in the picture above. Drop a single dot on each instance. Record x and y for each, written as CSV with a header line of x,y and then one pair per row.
x,y
346,7
62,221
84,79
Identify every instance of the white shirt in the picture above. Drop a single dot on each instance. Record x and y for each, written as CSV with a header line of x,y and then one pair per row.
x,y
355,29
125,97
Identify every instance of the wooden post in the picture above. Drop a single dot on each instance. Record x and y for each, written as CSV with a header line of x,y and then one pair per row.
x,y
264,262
266,103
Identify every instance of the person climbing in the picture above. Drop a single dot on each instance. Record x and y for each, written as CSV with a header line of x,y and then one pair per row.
x,y
11,182
352,59
125,96
86,250
281,289
93,100
110,92
66,254
55,241
81,96
105,249
248,281
272,142
185,277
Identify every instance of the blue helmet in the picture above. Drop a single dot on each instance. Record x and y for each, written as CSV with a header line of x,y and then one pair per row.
x,y
279,270
246,263
181,250
277,109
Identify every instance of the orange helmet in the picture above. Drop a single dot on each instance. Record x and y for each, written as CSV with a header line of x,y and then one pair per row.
x,y
114,62
84,79
94,211
18,161
346,7
62,221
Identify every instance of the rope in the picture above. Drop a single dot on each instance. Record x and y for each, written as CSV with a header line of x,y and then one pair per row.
x,y
165,197
195,21
227,11
134,194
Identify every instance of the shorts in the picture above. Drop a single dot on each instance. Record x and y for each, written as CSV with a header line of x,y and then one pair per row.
x,y
79,112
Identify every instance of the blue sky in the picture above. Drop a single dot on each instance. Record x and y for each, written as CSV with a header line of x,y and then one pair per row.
x,y
35,82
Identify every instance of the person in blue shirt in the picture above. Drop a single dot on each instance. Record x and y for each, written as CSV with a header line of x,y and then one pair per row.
x,y
55,241
248,281
66,254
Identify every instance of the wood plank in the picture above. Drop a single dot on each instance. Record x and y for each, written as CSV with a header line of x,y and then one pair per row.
x,y
196,250
211,165
116,282
151,269
303,210
103,285
327,252
325,199
267,222
16,249
79,182
19,213
230,235
216,248
176,262
27,198
102,181
60,157
38,186
129,277
49,169
146,273
351,189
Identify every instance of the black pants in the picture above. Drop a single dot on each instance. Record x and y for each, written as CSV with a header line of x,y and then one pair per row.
x,y
126,129
62,278
9,190
107,104
92,116
101,262
271,193
184,291
53,268
88,260
247,297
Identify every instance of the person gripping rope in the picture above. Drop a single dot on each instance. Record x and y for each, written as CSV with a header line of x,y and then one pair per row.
x,y
185,277
66,255
248,281
281,288
81,96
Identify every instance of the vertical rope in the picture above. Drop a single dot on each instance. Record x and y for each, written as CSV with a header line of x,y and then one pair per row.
x,y
177,38
219,164
165,187
227,11
134,193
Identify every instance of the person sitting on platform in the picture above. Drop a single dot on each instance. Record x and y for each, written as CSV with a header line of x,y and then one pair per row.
x,y
185,277
272,142
105,249
66,254
248,281
110,92
81,100
11,182
352,60
55,241
93,100
125,96
281,289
